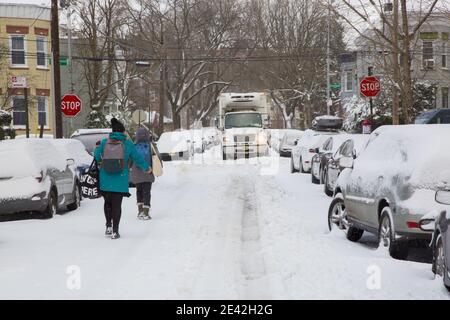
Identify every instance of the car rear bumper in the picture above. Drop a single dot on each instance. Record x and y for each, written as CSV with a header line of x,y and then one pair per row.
x,y
37,202
182,155
285,153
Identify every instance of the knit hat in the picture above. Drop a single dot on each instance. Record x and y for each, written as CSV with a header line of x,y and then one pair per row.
x,y
117,126
142,135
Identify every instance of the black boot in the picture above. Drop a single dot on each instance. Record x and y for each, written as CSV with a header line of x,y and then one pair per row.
x,y
115,235
108,231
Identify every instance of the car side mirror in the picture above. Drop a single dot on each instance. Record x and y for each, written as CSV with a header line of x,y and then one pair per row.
x,y
442,197
427,224
296,142
70,162
317,150
354,154
346,162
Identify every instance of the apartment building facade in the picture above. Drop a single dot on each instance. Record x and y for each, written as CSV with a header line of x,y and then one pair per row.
x,y
25,51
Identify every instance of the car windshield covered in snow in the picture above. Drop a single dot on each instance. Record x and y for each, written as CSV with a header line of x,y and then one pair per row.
x,y
243,120
291,136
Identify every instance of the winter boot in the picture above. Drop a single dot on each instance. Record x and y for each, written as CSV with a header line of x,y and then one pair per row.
x,y
115,235
108,232
146,214
140,210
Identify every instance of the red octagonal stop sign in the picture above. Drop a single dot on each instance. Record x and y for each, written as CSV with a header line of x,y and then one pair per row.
x,y
370,86
70,105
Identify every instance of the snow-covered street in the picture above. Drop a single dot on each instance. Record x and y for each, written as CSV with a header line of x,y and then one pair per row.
x,y
220,230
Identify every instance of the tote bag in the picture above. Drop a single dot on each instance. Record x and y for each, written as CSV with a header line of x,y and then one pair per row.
x,y
157,166
89,182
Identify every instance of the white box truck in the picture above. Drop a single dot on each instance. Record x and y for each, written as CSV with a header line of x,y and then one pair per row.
x,y
243,117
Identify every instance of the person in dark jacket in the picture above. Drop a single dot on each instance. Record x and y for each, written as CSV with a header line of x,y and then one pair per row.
x,y
114,186
143,179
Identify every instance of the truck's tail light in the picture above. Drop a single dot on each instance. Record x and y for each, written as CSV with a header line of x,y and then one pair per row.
x,y
40,177
413,225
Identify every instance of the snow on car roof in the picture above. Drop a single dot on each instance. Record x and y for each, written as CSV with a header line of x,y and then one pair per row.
x,y
416,153
73,149
90,131
173,141
25,157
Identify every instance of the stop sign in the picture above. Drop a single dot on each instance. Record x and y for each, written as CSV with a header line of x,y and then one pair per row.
x,y
70,105
370,86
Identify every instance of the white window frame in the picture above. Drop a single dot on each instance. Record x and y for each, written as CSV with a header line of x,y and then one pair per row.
x,y
347,73
432,54
25,65
46,111
45,66
16,126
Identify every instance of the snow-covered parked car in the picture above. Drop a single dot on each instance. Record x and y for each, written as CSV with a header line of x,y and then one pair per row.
x,y
34,176
306,148
438,222
91,137
323,154
74,149
350,148
391,185
175,145
290,136
212,136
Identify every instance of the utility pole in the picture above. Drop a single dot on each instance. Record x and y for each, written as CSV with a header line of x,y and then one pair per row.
x,y
162,83
329,101
56,70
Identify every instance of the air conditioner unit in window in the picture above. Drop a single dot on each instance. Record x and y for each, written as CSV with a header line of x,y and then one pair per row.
x,y
428,63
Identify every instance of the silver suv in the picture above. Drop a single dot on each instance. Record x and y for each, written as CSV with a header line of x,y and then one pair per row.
x,y
390,186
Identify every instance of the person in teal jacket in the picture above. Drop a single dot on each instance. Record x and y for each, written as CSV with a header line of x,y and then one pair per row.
x,y
114,186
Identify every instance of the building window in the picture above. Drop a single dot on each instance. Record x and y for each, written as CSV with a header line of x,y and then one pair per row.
x,y
19,116
41,52
18,51
444,55
349,81
427,54
444,97
42,111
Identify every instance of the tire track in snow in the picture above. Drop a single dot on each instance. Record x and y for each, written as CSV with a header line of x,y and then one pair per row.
x,y
253,266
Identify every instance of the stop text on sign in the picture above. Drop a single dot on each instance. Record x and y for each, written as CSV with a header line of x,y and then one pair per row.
x,y
70,105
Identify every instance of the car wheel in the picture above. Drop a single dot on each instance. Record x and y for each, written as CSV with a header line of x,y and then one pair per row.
x,y
327,191
397,249
354,234
52,205
293,170
314,180
77,196
439,258
337,215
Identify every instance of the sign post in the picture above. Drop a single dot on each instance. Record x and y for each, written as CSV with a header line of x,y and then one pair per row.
x,y
21,83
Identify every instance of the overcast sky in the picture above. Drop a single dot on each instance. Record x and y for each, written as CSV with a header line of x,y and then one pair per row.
x,y
40,2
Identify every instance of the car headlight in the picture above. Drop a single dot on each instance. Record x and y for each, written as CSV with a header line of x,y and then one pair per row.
x,y
262,139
